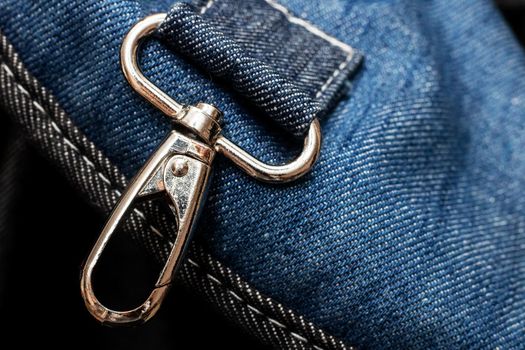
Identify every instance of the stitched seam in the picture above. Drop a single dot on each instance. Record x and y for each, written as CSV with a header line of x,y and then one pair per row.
x,y
212,278
253,308
55,126
323,35
206,7
334,75
312,29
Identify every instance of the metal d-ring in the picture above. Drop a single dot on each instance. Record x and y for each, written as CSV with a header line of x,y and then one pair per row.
x,y
252,166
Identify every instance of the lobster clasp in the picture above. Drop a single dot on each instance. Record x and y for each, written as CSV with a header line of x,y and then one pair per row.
x,y
180,169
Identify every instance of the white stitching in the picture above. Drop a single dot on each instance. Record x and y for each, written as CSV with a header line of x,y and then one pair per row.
x,y
233,294
310,27
91,164
156,231
334,75
73,146
39,107
212,278
254,309
206,7
7,70
316,31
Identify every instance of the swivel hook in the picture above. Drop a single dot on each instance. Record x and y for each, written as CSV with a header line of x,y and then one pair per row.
x,y
180,168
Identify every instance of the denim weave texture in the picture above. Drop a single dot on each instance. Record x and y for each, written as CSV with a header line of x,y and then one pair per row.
x,y
280,67
410,230
189,34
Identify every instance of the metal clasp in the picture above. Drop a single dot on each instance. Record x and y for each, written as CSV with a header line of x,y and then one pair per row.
x,y
179,168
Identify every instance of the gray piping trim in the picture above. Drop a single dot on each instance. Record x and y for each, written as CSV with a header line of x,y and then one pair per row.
x,y
48,126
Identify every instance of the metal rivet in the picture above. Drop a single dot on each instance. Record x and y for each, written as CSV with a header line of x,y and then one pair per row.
x,y
179,167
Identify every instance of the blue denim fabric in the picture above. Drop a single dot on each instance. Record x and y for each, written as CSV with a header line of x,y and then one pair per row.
x,y
189,34
289,73
410,231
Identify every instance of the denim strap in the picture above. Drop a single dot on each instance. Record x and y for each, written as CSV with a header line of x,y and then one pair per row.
x,y
289,69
